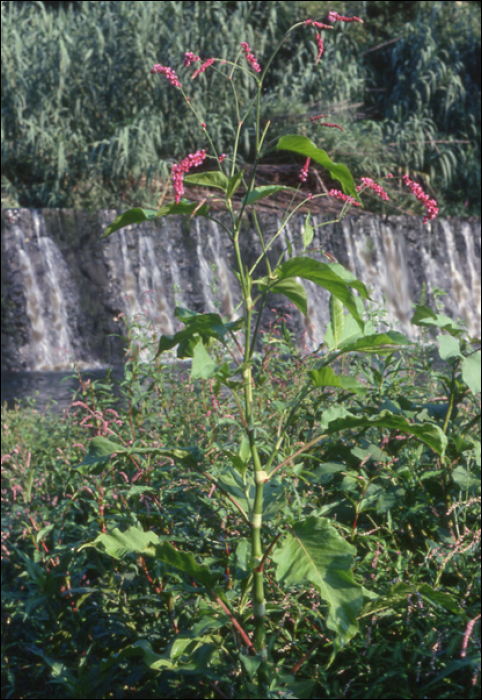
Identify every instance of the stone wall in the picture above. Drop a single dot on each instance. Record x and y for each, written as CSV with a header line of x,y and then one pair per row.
x,y
65,291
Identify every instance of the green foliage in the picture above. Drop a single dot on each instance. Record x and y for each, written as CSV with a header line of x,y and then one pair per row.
x,y
89,621
229,532
109,131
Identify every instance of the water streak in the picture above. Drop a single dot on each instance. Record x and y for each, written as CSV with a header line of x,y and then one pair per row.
x,y
144,272
205,272
46,305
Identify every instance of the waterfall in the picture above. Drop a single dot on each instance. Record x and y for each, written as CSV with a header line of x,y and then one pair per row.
x,y
226,305
42,349
317,310
474,283
146,304
66,291
176,276
464,289
205,271
380,260
150,280
42,268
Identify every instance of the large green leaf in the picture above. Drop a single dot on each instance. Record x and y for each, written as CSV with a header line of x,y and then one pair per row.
x,y
338,418
351,331
448,347
308,232
337,319
315,553
305,147
262,192
468,480
135,541
138,215
327,377
396,596
315,270
132,216
186,656
203,366
101,449
332,276
274,498
291,288
425,317
202,326
234,183
378,343
189,456
214,178
471,372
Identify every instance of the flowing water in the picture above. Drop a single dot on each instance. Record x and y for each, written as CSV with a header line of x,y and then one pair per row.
x,y
67,293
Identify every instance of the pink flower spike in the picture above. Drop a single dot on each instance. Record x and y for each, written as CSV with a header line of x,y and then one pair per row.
x,y
368,182
337,126
321,48
335,17
304,170
318,25
189,58
203,125
344,197
178,170
222,157
250,57
168,72
429,204
208,63
320,116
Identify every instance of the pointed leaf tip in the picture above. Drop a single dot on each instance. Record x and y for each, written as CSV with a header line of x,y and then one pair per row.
x,y
305,147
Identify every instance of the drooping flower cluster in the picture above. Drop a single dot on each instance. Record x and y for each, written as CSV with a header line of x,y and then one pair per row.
x,y
429,204
368,182
318,25
189,58
169,73
335,17
344,197
321,47
320,116
319,41
250,57
304,170
332,17
184,166
208,63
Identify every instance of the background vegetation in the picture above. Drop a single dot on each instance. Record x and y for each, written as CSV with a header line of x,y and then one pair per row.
x,y
85,124
387,453
84,623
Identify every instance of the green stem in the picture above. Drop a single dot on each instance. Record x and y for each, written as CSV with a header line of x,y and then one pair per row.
x,y
448,416
450,407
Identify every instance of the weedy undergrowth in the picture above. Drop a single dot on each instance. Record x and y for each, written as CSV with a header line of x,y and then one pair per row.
x,y
243,502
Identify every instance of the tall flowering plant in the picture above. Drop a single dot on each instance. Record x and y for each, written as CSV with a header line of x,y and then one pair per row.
x,y
307,551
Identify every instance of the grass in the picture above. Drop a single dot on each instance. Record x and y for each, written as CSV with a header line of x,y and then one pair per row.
x,y
80,623
404,86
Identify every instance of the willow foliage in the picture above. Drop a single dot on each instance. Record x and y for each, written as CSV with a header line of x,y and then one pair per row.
x,y
84,121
